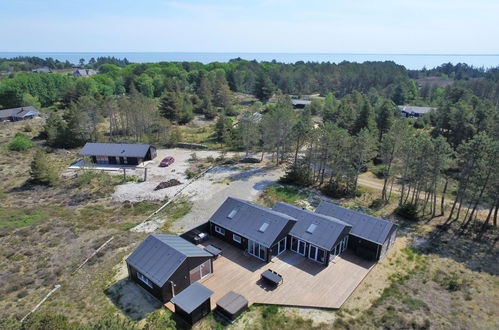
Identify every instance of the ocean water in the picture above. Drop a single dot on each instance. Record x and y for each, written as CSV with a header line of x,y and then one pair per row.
x,y
410,61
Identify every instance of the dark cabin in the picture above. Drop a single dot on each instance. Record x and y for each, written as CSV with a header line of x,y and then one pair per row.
x,y
409,111
165,265
299,103
193,303
370,237
17,114
315,236
253,228
118,153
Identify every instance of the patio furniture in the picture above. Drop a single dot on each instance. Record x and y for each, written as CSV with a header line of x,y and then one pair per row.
x,y
215,251
272,277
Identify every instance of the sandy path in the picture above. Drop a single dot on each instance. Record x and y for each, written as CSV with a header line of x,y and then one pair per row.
x,y
246,185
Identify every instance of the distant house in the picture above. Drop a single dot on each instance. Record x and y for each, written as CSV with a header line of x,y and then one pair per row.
x,y
254,117
409,111
165,265
314,235
300,103
370,237
118,153
17,114
253,228
41,70
84,72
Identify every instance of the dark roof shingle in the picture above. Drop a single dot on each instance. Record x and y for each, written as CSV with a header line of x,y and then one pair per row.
x,y
363,225
326,233
159,256
115,149
249,220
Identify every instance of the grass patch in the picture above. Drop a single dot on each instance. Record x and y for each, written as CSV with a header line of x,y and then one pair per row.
x,y
414,304
282,193
16,218
176,210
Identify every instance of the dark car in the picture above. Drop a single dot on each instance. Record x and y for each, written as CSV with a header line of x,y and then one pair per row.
x,y
167,161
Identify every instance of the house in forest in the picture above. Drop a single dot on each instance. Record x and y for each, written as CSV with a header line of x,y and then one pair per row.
x,y
118,153
42,70
408,111
17,114
300,103
165,265
320,236
84,72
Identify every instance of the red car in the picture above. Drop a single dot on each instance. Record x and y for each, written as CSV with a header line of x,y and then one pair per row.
x,y
167,161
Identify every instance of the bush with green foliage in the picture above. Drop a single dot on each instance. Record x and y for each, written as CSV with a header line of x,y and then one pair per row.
x,y
20,143
42,171
408,211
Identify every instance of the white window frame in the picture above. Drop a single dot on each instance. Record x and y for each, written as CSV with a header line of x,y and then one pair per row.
x,y
219,230
144,279
236,238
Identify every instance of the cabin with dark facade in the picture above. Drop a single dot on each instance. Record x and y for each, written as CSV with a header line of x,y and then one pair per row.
x,y
17,114
315,236
165,265
118,153
300,103
370,237
253,228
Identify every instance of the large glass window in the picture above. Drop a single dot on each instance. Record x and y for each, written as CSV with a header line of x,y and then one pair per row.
x,y
257,250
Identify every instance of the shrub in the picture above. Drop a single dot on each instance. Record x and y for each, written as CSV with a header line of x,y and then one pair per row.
x,y
337,190
20,143
408,211
42,171
379,171
414,304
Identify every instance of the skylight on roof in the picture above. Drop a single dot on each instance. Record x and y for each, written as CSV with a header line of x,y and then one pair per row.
x,y
232,213
311,228
263,227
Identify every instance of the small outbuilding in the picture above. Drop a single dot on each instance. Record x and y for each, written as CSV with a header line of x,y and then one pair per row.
x,y
193,303
17,114
118,153
165,265
231,305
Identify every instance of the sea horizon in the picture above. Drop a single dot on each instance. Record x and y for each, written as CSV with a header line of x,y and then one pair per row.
x,y
412,61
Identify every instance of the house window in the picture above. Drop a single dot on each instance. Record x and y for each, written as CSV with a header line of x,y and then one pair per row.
x,y
200,271
219,230
102,159
144,279
236,238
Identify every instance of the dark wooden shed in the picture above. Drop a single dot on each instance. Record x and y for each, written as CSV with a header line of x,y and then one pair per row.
x,y
193,303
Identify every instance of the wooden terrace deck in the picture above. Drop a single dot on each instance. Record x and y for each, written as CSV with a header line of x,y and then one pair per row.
x,y
305,282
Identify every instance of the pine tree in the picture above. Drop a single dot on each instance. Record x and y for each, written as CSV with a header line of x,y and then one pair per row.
x,y
42,171
264,88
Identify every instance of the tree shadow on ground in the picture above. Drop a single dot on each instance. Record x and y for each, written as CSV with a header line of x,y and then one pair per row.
x,y
477,255
131,299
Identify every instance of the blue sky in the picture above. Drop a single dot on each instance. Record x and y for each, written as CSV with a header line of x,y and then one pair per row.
x,y
325,26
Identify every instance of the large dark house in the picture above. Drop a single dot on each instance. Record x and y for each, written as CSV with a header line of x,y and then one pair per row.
x,y
17,114
370,237
299,103
118,153
315,236
165,265
253,228
319,236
